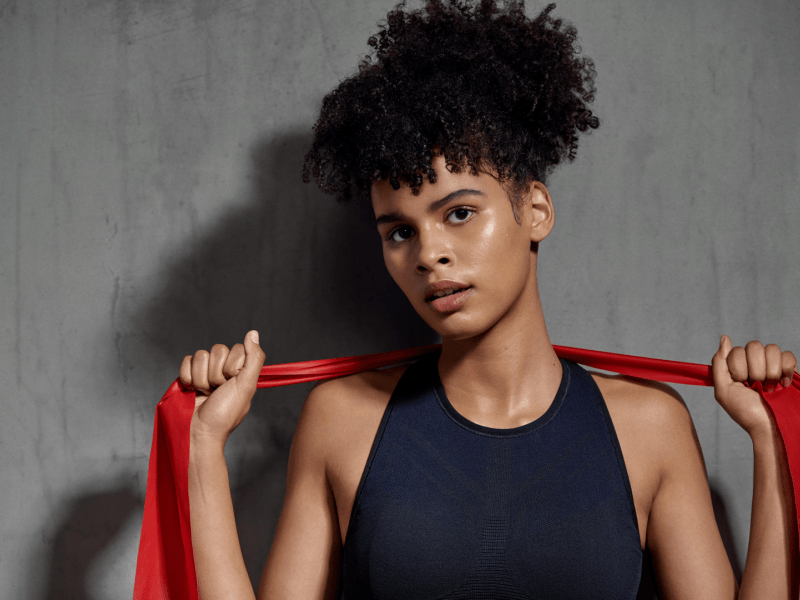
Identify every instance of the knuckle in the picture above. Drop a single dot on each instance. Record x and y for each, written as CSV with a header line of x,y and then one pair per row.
x,y
773,371
201,354
737,365
736,356
219,349
753,345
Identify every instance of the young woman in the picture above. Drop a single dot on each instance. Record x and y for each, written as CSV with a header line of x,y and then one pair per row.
x,y
493,469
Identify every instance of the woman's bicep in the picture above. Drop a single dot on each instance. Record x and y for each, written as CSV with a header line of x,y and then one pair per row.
x,y
689,558
303,561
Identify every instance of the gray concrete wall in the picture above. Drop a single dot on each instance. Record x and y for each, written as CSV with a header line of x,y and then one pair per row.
x,y
150,189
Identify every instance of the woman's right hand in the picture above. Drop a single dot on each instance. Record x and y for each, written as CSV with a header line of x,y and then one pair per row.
x,y
225,381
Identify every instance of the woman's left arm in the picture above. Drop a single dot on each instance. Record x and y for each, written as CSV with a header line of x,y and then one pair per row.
x,y
682,535
771,565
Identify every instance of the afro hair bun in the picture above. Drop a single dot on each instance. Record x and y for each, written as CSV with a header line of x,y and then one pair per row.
x,y
481,84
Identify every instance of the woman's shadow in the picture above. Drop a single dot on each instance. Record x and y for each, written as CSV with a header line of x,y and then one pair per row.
x,y
286,260
309,275
290,261
87,526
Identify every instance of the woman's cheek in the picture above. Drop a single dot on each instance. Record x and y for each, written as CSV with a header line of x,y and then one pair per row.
x,y
397,271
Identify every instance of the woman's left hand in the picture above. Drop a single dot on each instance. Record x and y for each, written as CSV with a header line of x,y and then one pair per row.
x,y
732,367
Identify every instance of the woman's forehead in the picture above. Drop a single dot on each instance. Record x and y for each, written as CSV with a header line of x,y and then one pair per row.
x,y
447,182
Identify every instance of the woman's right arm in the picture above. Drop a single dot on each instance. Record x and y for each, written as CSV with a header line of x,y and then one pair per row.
x,y
303,561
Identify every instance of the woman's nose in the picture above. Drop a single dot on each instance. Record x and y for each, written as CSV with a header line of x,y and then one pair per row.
x,y
432,251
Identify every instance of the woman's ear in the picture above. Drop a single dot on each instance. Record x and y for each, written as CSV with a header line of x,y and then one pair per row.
x,y
541,217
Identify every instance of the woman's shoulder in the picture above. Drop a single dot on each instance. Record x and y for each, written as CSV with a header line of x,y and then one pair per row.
x,y
649,417
365,391
337,427
655,433
642,404
344,412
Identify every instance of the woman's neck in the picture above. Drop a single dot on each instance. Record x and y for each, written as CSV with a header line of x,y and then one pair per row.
x,y
508,375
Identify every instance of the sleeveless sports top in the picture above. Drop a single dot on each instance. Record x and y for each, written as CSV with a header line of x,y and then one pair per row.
x,y
449,509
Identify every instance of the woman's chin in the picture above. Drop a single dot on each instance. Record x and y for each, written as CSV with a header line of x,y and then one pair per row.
x,y
455,327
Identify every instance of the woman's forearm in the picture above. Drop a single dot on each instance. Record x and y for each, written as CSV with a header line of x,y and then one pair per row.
x,y
221,572
771,552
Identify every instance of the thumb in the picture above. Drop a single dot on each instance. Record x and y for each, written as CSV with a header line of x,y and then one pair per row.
x,y
253,359
725,346
719,364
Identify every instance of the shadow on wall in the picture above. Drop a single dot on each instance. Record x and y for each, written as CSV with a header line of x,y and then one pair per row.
x,y
91,523
306,272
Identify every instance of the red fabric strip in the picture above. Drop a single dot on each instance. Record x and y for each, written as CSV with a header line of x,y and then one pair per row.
x,y
165,565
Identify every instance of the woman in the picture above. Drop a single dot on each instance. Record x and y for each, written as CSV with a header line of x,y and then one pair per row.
x,y
493,469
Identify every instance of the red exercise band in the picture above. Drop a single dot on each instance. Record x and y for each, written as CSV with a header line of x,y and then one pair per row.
x,y
165,565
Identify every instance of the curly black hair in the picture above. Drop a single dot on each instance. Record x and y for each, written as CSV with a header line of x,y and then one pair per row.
x,y
483,85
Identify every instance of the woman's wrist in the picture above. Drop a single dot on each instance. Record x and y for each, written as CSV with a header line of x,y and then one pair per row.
x,y
764,438
205,449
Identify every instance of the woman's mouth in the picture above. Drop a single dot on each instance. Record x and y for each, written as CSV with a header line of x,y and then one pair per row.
x,y
449,299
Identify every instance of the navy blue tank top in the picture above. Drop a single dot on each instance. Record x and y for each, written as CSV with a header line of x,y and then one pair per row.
x,y
449,509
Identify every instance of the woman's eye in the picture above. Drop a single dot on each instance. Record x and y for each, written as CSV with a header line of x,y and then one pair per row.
x,y
460,215
401,234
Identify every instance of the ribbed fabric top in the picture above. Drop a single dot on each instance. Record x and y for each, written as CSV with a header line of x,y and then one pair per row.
x,y
449,509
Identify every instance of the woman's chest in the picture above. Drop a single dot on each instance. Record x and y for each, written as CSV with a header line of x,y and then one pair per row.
x,y
346,467
441,512
346,471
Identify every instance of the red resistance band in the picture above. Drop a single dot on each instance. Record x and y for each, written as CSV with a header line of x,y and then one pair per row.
x,y
165,566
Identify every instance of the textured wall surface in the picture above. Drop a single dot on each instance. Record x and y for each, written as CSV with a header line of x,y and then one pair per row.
x,y
151,204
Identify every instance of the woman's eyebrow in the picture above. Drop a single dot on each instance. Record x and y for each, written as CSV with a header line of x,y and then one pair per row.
x,y
452,196
393,217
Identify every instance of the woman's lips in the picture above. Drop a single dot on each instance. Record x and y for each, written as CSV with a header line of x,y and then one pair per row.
x,y
451,302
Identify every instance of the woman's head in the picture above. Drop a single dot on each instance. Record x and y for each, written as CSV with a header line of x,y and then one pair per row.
x,y
461,255
481,85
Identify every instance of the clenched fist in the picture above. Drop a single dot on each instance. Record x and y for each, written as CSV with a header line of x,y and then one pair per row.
x,y
733,367
225,381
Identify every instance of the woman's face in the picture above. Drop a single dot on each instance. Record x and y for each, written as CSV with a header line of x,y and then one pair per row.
x,y
457,251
